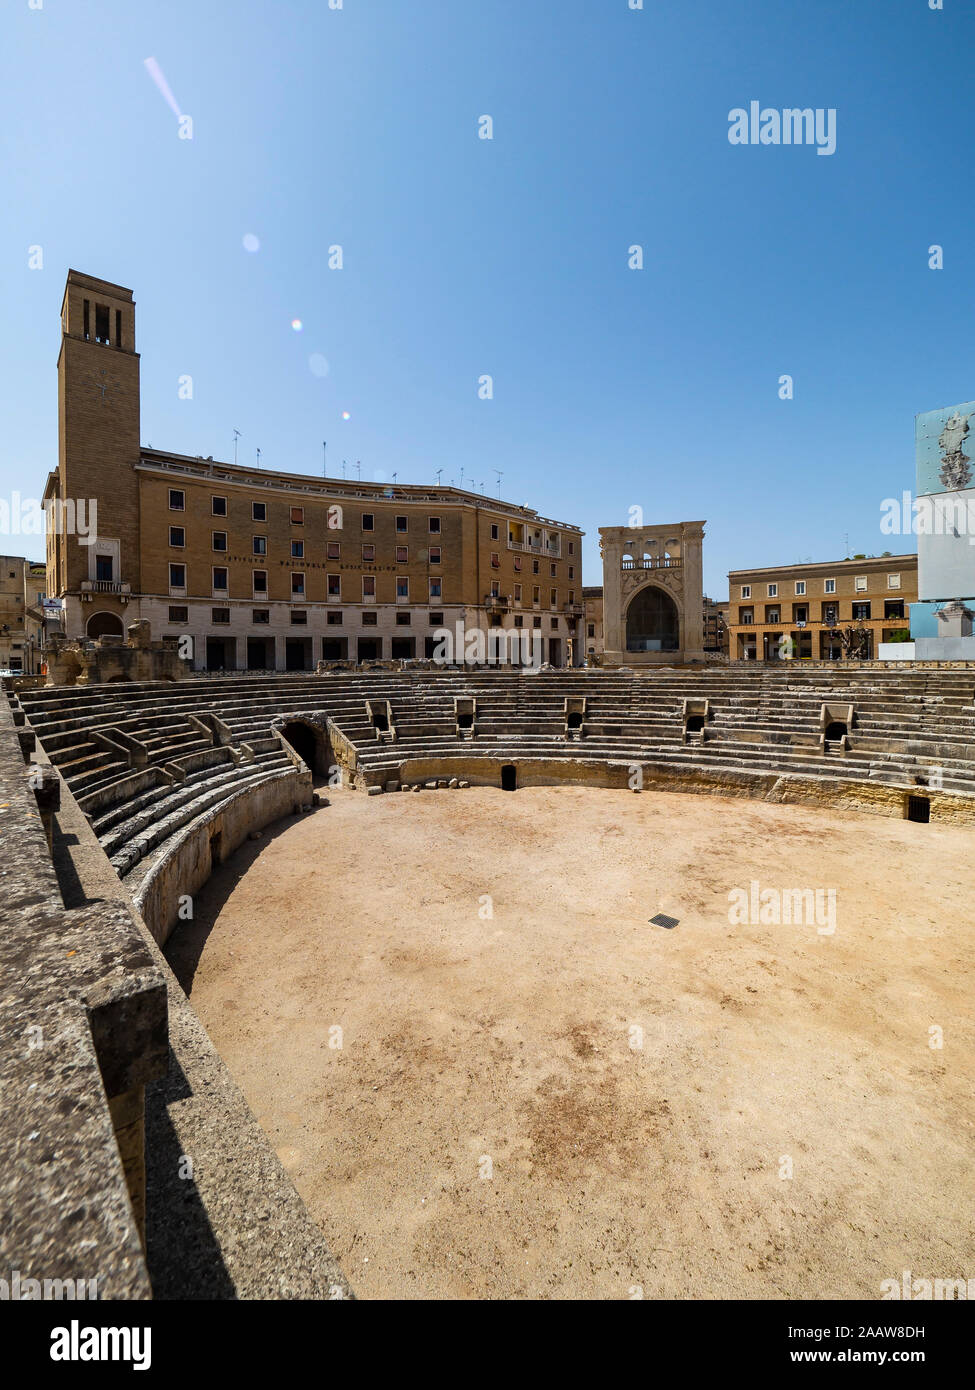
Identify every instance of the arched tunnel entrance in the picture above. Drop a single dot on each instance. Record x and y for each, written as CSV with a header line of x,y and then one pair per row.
x,y
509,777
311,743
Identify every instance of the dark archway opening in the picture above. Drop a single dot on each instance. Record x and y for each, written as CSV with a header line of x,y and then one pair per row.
x,y
919,809
303,741
652,622
575,720
465,721
695,723
380,720
835,731
104,625
509,778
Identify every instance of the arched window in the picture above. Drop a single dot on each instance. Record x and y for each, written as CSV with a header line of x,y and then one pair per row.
x,y
652,622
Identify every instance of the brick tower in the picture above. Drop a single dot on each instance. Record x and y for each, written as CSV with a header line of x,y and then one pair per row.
x,y
98,448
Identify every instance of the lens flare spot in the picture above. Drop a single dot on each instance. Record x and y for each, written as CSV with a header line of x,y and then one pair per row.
x,y
346,415
251,242
297,325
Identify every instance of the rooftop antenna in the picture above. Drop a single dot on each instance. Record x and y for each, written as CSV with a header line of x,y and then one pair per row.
x,y
439,471
343,468
258,458
236,437
500,476
324,459
395,476
358,470
462,475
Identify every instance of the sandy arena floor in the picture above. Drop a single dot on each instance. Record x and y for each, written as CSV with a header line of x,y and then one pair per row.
x,y
491,1125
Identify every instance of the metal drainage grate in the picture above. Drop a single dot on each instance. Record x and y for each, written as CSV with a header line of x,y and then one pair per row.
x,y
662,920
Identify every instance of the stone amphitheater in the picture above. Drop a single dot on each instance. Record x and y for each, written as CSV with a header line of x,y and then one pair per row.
x,y
136,793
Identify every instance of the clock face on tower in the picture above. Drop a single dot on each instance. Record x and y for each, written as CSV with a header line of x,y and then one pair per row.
x,y
104,384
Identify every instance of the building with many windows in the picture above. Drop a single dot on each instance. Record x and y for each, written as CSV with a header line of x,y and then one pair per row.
x,y
22,597
802,610
269,570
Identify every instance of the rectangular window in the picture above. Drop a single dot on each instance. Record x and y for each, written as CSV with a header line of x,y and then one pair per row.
x,y
333,551
860,584
177,536
177,500
536,622
829,586
297,584
534,566
553,598
101,323
519,620
368,521
591,630
402,554
368,554
435,587
536,595
571,550
260,581
334,619
861,612
800,586
297,550
177,576
219,540
494,533
218,506
179,615
552,571
259,511
773,591
495,561
572,573
299,618
87,319
746,617
402,586
220,615
297,516
435,619
334,582
771,615
495,588
435,525
893,608
517,593
368,586
402,619
517,559
893,581
554,624
370,619
435,555
402,524
746,591
260,615
219,578
260,545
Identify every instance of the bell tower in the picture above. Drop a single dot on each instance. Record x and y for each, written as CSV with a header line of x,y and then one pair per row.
x,y
94,552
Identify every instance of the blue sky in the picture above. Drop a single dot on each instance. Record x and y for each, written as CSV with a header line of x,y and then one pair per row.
x,y
462,256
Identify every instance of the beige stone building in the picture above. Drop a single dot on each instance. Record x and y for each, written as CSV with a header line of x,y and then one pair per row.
x,y
271,570
22,594
592,602
810,604
653,596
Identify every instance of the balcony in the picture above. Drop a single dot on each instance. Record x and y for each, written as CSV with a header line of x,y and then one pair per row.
x,y
497,603
105,586
573,610
653,562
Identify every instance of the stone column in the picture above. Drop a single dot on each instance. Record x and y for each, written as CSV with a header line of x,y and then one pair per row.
x,y
692,637
614,627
